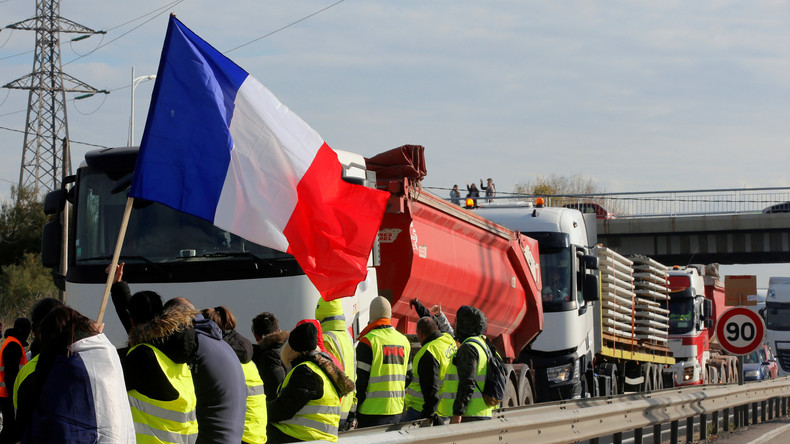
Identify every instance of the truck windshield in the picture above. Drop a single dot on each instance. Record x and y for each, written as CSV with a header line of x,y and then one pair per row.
x,y
777,316
556,273
681,315
156,233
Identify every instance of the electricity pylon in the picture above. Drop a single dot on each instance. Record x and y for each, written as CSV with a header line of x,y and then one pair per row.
x,y
46,158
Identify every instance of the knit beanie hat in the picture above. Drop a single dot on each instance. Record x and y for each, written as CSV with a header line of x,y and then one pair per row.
x,y
326,309
304,338
380,308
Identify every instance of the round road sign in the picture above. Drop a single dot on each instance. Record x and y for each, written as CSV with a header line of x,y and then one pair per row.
x,y
740,330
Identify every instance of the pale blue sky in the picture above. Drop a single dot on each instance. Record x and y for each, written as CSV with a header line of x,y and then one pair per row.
x,y
638,95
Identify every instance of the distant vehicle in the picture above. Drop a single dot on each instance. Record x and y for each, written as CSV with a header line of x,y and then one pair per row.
x,y
773,366
783,207
756,366
592,208
777,321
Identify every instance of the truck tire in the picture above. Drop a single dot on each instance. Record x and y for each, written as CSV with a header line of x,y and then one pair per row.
x,y
511,392
526,396
610,370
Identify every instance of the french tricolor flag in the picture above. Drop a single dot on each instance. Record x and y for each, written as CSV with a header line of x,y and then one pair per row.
x,y
217,144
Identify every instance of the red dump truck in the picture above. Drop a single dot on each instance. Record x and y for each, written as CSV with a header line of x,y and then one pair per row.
x,y
429,249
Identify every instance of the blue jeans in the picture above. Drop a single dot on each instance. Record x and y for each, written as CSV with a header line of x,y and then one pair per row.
x,y
411,415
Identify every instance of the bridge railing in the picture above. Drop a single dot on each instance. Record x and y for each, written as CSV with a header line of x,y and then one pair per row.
x,y
657,203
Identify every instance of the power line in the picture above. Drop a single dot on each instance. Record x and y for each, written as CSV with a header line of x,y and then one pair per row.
x,y
70,141
284,27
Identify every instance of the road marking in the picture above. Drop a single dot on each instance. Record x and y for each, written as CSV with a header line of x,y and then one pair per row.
x,y
768,436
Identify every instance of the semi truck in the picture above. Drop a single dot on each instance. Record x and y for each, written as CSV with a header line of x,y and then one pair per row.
x,y
696,301
777,320
427,249
577,355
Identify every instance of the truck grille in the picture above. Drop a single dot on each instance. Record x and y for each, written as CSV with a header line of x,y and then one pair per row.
x,y
783,357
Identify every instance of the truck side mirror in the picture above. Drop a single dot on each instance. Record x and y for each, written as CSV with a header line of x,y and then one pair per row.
x,y
590,262
708,309
54,201
591,288
51,244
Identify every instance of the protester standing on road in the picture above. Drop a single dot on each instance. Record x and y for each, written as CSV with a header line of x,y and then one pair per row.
x,y
338,343
307,406
429,366
12,359
219,382
255,419
79,385
266,354
24,399
382,367
158,379
461,396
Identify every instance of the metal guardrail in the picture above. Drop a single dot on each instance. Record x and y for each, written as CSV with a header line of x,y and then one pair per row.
x,y
590,419
660,203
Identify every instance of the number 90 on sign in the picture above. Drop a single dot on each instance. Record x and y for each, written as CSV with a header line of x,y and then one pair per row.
x,y
740,331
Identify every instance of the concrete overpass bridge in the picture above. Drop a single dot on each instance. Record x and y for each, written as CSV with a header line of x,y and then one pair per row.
x,y
728,226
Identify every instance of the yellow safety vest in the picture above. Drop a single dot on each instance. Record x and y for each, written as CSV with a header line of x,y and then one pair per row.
x,y
255,419
26,371
340,345
173,421
319,418
387,384
477,406
22,361
443,349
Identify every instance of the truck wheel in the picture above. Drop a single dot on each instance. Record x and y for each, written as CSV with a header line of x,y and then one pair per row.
x,y
525,394
647,373
511,394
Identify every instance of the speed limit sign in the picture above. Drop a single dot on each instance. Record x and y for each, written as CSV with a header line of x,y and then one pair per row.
x,y
740,331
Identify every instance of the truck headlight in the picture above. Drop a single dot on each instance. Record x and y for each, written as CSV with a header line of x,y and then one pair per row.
x,y
561,373
688,373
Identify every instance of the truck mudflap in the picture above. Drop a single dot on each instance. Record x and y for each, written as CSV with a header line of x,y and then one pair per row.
x,y
443,254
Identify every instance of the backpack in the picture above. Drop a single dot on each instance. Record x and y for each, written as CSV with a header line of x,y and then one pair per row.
x,y
496,377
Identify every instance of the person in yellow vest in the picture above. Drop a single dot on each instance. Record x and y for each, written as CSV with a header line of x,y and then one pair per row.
x,y
461,396
430,366
255,418
307,406
382,368
158,378
12,359
338,343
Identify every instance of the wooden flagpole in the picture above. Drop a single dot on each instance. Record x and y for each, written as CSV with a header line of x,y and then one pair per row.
x,y
117,254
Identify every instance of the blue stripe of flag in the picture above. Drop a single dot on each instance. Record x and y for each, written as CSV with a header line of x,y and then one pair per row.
x,y
185,149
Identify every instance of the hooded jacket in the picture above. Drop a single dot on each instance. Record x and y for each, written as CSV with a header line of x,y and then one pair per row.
x,y
266,356
305,385
173,334
469,322
220,386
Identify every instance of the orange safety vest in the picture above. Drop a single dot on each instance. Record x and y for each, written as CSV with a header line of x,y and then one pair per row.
x,y
22,362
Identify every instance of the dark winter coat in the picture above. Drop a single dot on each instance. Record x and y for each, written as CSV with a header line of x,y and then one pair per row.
x,y
171,333
240,345
266,356
306,385
469,322
220,387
